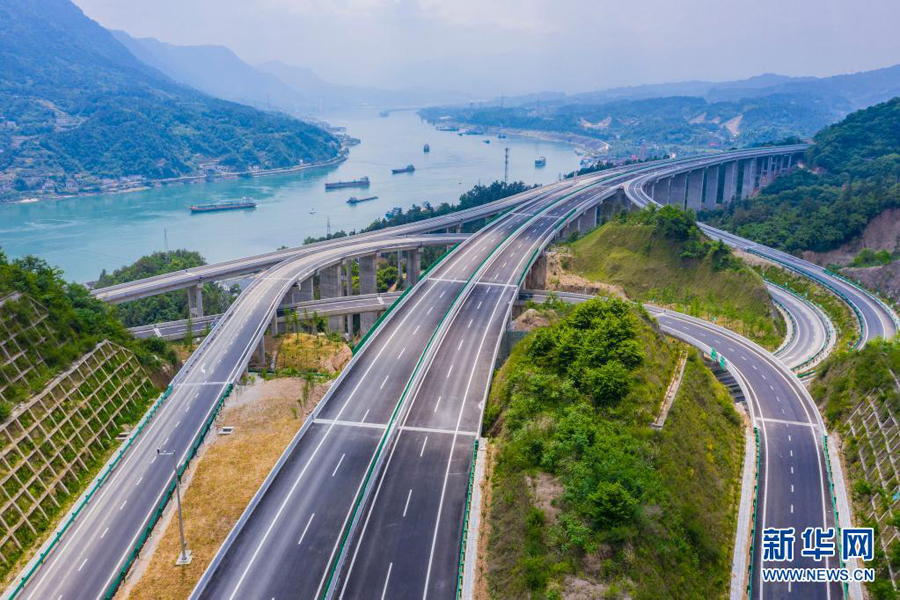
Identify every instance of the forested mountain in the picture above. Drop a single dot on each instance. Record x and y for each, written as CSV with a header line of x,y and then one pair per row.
x,y
853,175
688,116
78,112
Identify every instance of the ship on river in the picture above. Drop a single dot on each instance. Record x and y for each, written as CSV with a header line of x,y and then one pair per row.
x,y
224,205
407,169
336,185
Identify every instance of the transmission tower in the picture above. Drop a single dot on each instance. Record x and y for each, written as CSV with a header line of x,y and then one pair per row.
x,y
506,165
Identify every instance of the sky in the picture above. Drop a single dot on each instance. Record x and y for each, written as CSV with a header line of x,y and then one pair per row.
x,y
489,47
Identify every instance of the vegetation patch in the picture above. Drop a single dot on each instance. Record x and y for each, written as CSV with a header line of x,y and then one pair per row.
x,y
170,306
660,256
585,496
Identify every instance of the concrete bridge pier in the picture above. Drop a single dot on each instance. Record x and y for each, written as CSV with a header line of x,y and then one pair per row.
x,y
695,189
261,353
195,301
305,290
588,220
368,284
748,185
537,274
330,287
729,183
711,193
413,266
661,190
678,190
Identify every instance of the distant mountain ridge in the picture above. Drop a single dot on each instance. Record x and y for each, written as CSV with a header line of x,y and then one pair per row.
x,y
273,85
79,113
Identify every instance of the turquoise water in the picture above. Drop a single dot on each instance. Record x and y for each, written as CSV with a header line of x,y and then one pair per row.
x,y
86,234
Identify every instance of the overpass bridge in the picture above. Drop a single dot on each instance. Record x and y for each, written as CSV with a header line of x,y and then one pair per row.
x,y
396,400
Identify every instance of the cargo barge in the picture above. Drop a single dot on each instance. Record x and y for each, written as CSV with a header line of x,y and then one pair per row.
x,y
227,205
336,185
355,200
406,169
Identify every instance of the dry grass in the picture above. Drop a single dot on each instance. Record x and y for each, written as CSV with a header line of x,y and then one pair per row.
x,y
221,483
306,352
482,591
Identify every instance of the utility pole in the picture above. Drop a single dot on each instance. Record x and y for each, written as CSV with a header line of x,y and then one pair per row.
x,y
328,226
185,557
506,165
166,239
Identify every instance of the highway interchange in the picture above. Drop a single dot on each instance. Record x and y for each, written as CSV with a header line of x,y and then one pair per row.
x,y
406,413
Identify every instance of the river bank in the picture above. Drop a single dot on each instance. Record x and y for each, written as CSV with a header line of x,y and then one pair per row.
x,y
127,187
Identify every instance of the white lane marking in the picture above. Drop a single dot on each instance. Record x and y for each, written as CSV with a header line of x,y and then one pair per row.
x,y
792,509
104,533
139,481
303,535
479,305
203,368
442,294
458,348
431,308
408,496
792,488
754,366
384,382
82,564
422,451
366,415
177,424
436,404
450,371
771,388
792,453
153,460
401,353
386,580
789,438
416,330
470,323
123,505
763,375
792,470
338,465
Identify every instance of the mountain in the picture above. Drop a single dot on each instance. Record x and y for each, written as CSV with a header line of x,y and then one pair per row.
x,y
217,71
853,176
79,113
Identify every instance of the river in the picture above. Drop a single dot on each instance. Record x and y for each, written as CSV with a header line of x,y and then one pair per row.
x,y
86,234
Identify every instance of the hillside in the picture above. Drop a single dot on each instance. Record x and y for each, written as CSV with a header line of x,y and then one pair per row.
x,y
859,395
854,176
659,256
586,501
79,113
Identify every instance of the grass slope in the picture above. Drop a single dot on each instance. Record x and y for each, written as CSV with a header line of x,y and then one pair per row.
x,y
587,500
650,267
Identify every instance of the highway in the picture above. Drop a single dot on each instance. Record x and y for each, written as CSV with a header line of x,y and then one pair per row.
x,y
94,552
377,393
812,333
333,456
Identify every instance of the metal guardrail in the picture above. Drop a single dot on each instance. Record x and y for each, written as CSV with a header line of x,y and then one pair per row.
x,y
461,565
86,498
837,527
142,539
890,311
753,526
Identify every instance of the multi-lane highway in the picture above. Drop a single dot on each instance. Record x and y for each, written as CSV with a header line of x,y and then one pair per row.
x,y
93,553
396,386
434,353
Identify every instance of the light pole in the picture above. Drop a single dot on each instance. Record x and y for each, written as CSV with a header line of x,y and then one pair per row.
x,y
185,557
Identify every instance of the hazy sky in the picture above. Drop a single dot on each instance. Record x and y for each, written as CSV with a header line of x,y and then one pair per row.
x,y
517,46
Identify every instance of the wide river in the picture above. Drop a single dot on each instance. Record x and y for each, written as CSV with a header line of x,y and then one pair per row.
x,y
84,235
